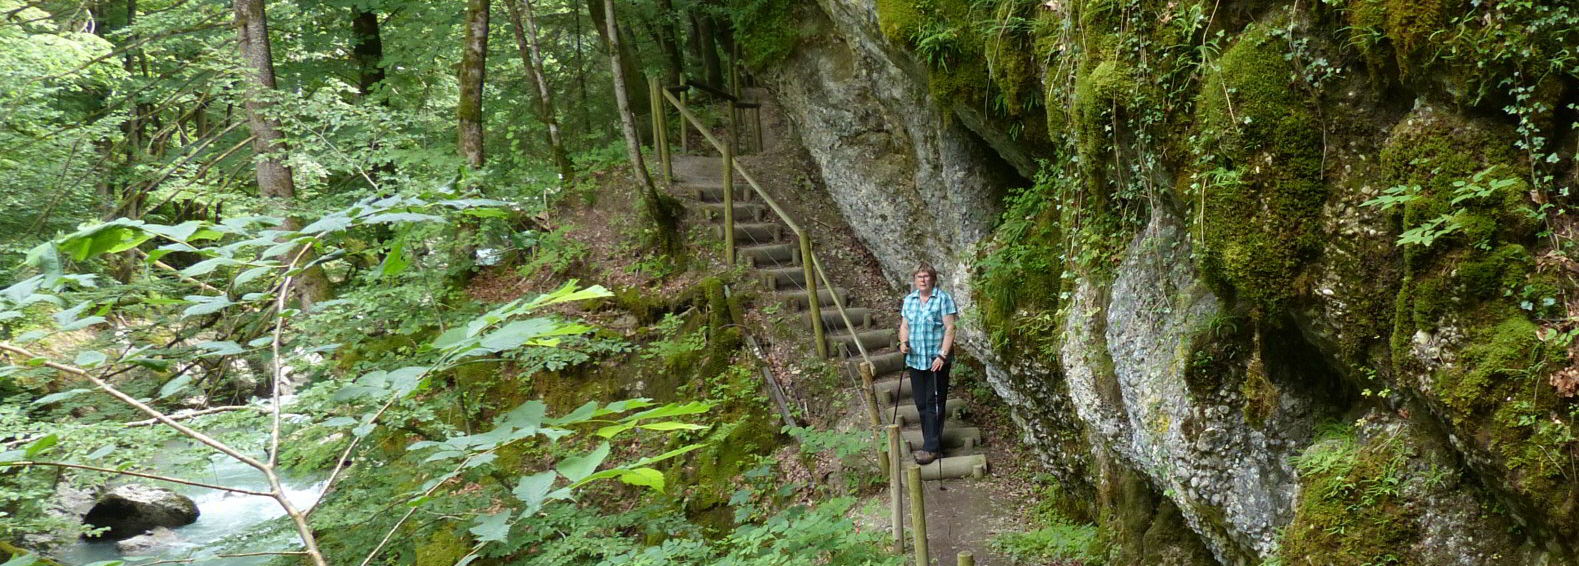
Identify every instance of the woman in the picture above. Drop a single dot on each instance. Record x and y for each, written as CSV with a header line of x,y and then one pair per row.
x,y
926,337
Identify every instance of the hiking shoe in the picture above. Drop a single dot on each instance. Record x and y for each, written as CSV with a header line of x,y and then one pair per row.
x,y
923,457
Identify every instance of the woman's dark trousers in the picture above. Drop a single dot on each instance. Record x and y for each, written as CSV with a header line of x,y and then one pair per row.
x,y
930,391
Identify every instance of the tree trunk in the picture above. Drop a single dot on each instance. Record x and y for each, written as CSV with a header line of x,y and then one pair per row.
x,y
474,63
526,40
274,178
367,50
581,75
668,42
628,121
712,70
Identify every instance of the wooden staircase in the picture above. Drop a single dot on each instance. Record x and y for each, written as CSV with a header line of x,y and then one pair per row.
x,y
763,242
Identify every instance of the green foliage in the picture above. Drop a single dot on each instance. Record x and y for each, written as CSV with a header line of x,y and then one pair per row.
x,y
1352,509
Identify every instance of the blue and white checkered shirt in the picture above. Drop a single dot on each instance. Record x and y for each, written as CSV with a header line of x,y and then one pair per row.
x,y
926,326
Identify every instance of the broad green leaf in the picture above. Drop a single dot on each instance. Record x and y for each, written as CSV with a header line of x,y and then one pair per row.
x,y
208,266
221,348
391,217
331,223
250,274
182,231
37,447
90,358
644,477
206,304
671,425
518,333
486,212
112,237
396,261
611,430
528,415
667,455
175,386
72,314
101,452
492,528
577,467
533,489
670,410
22,560
61,396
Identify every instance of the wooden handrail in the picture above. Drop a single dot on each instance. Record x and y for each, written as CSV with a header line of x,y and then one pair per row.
x,y
807,254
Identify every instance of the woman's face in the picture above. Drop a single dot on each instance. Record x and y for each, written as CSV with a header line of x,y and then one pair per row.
x,y
923,281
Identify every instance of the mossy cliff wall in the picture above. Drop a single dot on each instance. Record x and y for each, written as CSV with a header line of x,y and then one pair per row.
x,y
1189,235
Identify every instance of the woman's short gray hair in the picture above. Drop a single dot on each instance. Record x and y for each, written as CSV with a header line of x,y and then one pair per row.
x,y
927,268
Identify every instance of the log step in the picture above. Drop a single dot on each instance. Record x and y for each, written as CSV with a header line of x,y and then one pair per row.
x,y
797,299
755,233
714,192
973,466
890,391
785,278
770,254
963,437
833,321
882,364
744,212
906,415
871,339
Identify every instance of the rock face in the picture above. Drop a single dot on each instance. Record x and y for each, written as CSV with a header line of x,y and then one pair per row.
x,y
1227,291
132,510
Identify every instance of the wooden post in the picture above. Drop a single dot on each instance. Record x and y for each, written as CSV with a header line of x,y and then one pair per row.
x,y
663,135
918,515
653,106
812,300
895,501
729,202
871,394
966,558
757,113
685,100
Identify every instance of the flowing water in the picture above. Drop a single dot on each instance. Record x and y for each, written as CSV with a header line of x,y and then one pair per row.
x,y
227,522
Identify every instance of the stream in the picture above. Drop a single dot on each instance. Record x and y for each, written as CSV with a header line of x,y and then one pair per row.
x,y
226,523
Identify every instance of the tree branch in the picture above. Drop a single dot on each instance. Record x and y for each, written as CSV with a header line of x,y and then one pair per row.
x,y
138,475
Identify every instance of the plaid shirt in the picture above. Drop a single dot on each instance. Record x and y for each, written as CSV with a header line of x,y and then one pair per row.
x,y
926,326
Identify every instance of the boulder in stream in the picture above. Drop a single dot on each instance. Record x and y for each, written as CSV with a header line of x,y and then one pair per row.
x,y
155,539
131,510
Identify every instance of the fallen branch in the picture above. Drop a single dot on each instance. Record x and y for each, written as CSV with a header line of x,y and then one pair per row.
x,y
192,414
138,475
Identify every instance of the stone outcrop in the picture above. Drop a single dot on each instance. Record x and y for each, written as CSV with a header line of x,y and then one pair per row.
x,y
132,510
1258,301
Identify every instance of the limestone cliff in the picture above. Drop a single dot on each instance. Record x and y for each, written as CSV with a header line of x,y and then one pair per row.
x,y
1300,268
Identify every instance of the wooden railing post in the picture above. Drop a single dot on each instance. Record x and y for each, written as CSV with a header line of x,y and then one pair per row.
x,y
663,137
870,393
967,558
895,498
918,515
812,300
685,102
729,202
653,105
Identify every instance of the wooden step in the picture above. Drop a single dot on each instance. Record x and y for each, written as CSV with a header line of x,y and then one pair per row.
x,y
871,339
953,467
797,299
889,391
883,363
785,278
832,321
906,415
714,192
765,255
962,437
755,233
749,212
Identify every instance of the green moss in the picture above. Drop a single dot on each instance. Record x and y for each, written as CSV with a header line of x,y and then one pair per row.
x,y
1411,24
767,31
1261,172
1350,509
444,546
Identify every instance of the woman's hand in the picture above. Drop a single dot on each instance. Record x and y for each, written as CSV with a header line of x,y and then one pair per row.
x,y
937,363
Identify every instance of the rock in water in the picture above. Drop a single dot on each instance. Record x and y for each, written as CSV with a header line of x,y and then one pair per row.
x,y
132,510
156,539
